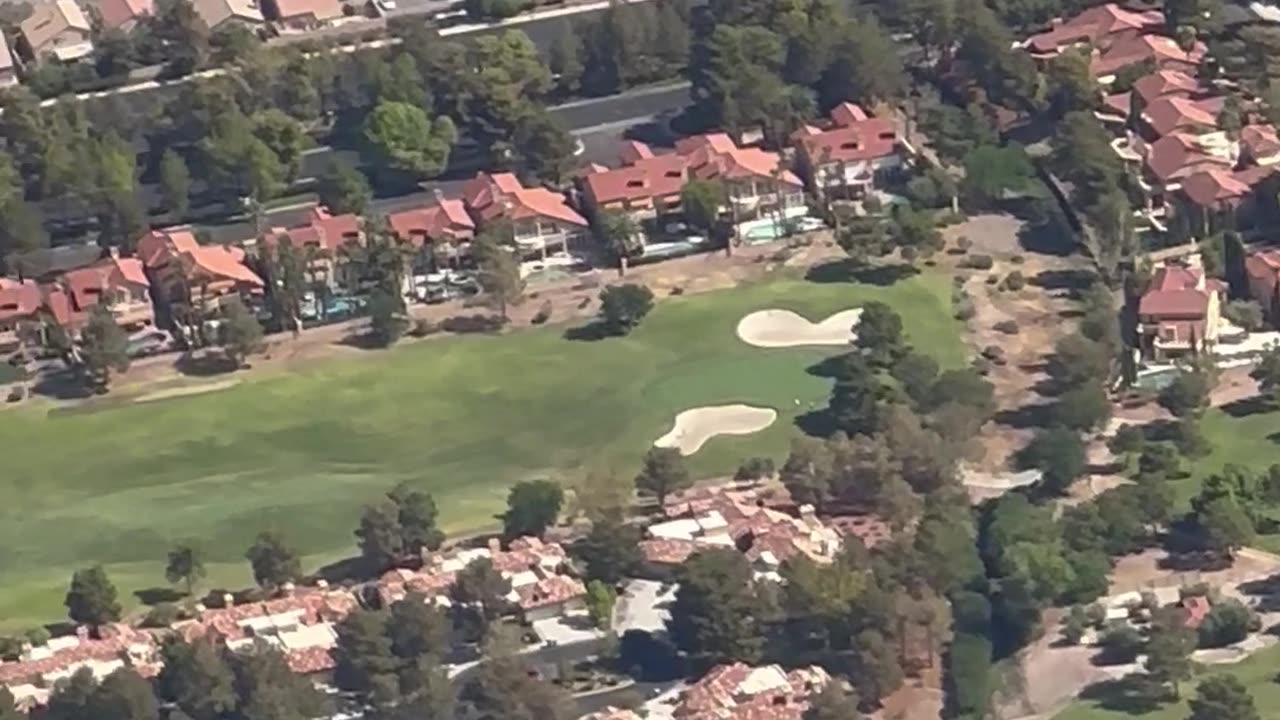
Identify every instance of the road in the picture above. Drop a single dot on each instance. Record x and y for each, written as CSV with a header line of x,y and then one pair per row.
x,y
600,123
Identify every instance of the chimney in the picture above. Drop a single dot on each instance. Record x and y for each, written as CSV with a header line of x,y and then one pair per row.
x,y
438,194
286,589
322,584
198,608
495,545
82,632
114,252
228,600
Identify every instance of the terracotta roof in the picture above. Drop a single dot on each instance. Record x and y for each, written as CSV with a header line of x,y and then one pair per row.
x,y
524,559
1119,103
550,590
116,13
322,231
50,19
1176,294
446,220
159,246
743,692
305,607
222,262
1197,609
1131,51
1211,187
501,196
612,713
633,151
20,300
863,140
847,113
1166,82
1179,155
1260,141
319,9
119,645
667,551
646,178
1094,25
1170,113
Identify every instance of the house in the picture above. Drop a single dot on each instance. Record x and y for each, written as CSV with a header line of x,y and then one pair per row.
x,y
1262,271
1195,609
646,186
1096,27
216,12
612,713
8,67
743,691
20,305
440,232
303,15
123,14
57,28
851,157
321,239
1173,113
1175,157
1179,314
1163,52
539,221
119,283
33,675
301,625
187,274
540,587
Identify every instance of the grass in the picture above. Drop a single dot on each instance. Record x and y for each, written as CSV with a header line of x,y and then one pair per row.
x,y
1257,672
463,417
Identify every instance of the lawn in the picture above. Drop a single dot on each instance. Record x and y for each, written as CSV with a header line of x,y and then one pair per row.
x,y
1249,439
1258,673
462,417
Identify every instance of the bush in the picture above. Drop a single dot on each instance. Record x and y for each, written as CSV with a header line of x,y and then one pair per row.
x,y
1015,281
978,262
965,310
993,279
36,636
584,302
543,314
162,616
756,468
477,323
1228,622
963,244
1008,327
677,290
1244,313
10,648
423,328
1017,259
1120,644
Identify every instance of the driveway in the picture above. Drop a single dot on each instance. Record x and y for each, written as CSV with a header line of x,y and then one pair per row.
x,y
643,606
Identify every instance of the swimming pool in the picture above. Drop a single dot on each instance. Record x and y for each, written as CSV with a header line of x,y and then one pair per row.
x,y
766,230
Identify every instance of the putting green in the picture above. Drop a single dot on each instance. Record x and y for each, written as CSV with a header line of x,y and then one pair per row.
x,y
462,417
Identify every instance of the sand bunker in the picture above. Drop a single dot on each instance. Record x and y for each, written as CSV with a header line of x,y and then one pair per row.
x,y
997,481
186,390
783,328
696,426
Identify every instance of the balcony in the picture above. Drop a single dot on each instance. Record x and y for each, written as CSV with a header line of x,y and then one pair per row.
x,y
137,312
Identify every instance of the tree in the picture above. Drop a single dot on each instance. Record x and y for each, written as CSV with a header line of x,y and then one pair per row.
x,y
1267,373
418,518
737,78
702,201
92,598
1221,525
1246,314
564,59
1074,625
269,690
492,9
990,172
1077,360
241,334
364,661
1082,408
663,473
342,188
1229,621
274,562
179,29
611,551
186,565
543,147
622,307
175,184
125,695
754,469
807,472
9,706
403,139
601,598
1169,649
1072,88
532,507
499,276
505,687
945,543
195,676
833,703
620,235
1222,697
880,335
103,348
1187,395
1059,454
916,373
865,66
387,321
379,537
73,699
715,616
1121,643
479,584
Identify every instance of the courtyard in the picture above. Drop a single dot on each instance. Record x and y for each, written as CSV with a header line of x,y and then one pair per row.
x,y
463,417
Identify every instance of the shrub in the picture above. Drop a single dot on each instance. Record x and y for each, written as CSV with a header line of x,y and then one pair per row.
x,y
37,636
584,302
1228,622
1015,281
978,262
543,314
1008,327
993,279
10,648
1121,644
1017,259
677,290
162,615
423,328
756,468
963,244
1244,313
477,323
965,310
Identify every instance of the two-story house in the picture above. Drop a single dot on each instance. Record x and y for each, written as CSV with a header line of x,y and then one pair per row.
x,y
441,234
540,222
119,283
1180,313
302,15
58,29
193,277
322,239
849,157
1099,26
124,14
20,305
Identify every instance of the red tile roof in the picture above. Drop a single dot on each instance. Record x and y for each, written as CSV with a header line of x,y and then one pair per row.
x,y
159,246
501,196
1171,112
743,692
1132,50
647,178
1197,609
117,643
1175,294
119,12
1094,26
446,221
319,9
19,300
1166,82
322,231
855,141
1260,141
1178,155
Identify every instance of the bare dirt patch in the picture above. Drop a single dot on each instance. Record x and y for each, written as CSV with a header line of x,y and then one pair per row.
x,y
187,390
694,427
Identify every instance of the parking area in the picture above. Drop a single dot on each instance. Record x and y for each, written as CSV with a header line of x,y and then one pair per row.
x,y
643,606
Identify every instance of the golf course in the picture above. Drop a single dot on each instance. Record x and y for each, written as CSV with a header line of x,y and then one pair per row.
x,y
299,452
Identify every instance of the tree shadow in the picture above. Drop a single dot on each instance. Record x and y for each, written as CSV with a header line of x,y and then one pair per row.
x,y
1073,280
829,368
64,385
1245,407
846,271
591,332
1027,416
816,423
361,341
205,365
1127,694
1071,314
157,595
344,569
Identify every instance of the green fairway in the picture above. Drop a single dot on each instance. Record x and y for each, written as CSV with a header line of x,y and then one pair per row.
x,y
462,417
1258,673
